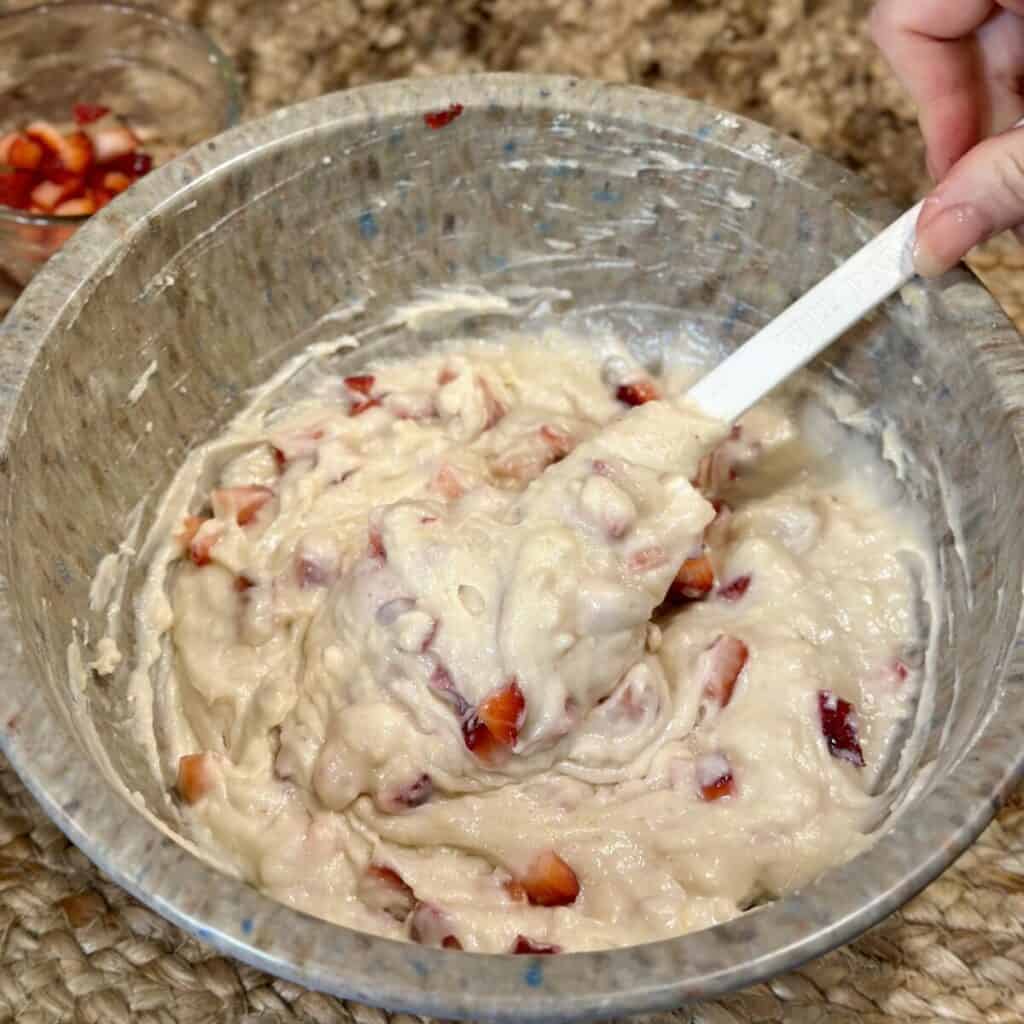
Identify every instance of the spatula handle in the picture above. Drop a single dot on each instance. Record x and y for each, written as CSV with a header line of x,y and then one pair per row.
x,y
813,322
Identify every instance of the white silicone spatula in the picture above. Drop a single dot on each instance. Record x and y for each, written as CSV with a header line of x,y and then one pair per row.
x,y
811,324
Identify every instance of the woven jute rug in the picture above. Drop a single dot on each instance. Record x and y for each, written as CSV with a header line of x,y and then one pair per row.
x,y
74,947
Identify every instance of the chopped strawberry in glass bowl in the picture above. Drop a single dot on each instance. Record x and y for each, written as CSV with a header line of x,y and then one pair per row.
x,y
93,96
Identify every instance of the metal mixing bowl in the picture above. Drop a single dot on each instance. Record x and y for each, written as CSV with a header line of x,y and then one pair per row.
x,y
637,212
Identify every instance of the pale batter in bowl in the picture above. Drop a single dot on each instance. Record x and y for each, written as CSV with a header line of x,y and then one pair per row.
x,y
493,650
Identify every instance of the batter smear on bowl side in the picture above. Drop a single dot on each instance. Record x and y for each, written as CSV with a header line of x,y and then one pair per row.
x,y
505,649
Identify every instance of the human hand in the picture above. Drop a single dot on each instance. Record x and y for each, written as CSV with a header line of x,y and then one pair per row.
x,y
963,63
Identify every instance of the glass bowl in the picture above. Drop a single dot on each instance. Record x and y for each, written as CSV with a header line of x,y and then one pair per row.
x,y
599,209
165,79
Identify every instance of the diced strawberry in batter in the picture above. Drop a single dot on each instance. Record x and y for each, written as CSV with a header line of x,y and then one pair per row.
x,y
550,882
726,658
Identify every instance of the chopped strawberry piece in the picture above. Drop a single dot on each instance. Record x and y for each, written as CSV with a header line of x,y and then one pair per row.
x,y
550,882
362,383
416,793
637,392
494,727
16,189
243,583
195,778
76,155
20,152
49,194
46,135
450,942
360,407
117,181
839,727
87,113
725,659
445,376
523,945
241,503
560,443
694,580
437,119
714,777
110,144
384,889
503,713
133,164
72,153
83,206
735,589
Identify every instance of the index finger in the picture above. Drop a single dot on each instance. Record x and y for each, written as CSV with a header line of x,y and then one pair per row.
x,y
930,46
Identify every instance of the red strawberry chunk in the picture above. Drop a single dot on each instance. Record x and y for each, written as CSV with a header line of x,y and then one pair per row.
x,y
694,580
503,713
243,583
523,945
116,181
437,119
494,727
383,888
726,658
195,778
550,882
637,392
360,407
114,143
839,727
16,189
20,152
736,588
362,383
714,777
87,113
83,206
241,503
49,194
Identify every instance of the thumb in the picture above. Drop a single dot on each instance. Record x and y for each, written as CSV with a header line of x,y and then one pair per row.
x,y
982,195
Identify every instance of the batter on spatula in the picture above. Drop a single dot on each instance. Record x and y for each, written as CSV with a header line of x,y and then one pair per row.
x,y
499,649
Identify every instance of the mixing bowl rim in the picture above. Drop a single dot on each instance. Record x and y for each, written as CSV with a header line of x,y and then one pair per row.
x,y
236,919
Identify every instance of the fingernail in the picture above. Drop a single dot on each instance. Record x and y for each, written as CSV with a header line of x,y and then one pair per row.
x,y
944,235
